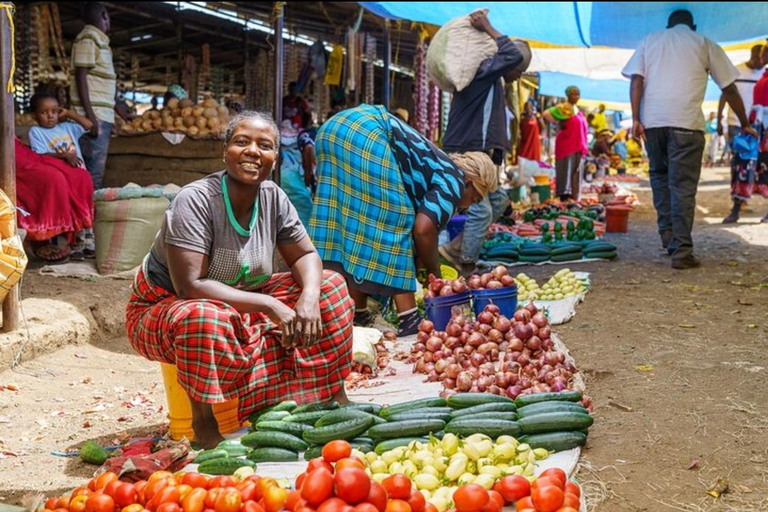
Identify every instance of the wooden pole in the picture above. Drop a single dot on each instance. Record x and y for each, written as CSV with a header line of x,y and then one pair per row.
x,y
386,90
7,151
279,53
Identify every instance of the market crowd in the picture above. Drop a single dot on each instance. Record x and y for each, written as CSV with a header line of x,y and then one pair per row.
x,y
363,200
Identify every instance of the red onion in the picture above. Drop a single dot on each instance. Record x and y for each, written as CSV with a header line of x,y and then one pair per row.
x,y
512,356
494,354
452,342
422,337
513,391
523,315
494,390
428,357
523,360
483,383
547,344
419,347
447,392
440,354
449,383
487,369
465,363
477,359
485,348
540,319
468,349
524,383
503,346
441,366
485,328
531,308
545,332
433,376
474,282
474,389
485,279
512,377
522,331
570,367
501,380
453,329
436,286
499,272
502,324
486,317
464,382
459,286
507,281
533,343
494,285
452,371
492,309
429,294
495,335
475,339
434,344
464,337
459,320
457,352
534,328
426,326
429,367
516,345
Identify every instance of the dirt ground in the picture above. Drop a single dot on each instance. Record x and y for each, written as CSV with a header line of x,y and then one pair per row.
x,y
675,362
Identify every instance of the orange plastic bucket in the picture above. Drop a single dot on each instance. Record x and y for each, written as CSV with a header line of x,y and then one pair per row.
x,y
541,179
617,219
180,411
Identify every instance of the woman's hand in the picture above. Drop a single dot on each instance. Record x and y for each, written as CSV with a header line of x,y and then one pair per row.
x,y
285,318
308,322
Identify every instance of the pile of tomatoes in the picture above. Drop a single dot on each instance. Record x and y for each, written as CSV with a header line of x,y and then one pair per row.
x,y
335,482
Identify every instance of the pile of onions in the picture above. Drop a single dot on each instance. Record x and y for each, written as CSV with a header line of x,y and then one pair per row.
x,y
494,354
498,278
438,287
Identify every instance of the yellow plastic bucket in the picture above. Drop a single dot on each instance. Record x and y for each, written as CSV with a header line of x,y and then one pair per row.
x,y
541,179
180,411
448,272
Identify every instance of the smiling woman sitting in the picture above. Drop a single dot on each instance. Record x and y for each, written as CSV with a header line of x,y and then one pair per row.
x,y
206,300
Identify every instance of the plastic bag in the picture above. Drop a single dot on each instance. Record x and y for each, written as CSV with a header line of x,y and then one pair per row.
x,y
13,259
364,340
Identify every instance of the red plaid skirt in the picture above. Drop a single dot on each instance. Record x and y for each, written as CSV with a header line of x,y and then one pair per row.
x,y
221,355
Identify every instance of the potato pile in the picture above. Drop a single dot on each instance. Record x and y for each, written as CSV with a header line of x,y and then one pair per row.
x,y
207,119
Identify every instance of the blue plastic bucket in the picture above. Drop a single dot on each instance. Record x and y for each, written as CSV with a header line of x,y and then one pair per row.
x,y
504,298
439,310
456,225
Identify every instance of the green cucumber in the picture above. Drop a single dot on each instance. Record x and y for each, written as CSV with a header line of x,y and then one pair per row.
x,y
533,259
603,255
439,435
391,444
407,428
295,429
413,404
363,447
489,407
345,430
569,249
571,256
420,414
534,398
545,407
340,415
495,415
233,447
273,416
224,465
215,453
555,422
313,452
262,439
465,400
363,440
599,245
286,405
555,441
309,418
371,408
491,428
272,454
323,406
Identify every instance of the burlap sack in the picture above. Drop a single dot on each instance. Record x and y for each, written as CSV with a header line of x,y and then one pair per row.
x,y
455,54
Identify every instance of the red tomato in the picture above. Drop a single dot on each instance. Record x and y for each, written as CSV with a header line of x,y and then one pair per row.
x,y
100,502
153,489
261,487
547,499
299,481
545,481
513,488
247,490
195,480
572,488
50,503
572,501
556,474
377,496
228,501
136,507
430,508
567,509
77,504
398,506
125,494
332,505
294,501
398,487
497,497
252,506
141,486
274,499
221,481
80,491
194,501
524,504
470,498
352,485
104,479
336,450
169,507
211,496
366,507
319,462
349,462
492,506
160,475
167,495
317,487
417,501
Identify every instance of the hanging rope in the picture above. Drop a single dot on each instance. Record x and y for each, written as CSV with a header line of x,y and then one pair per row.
x,y
9,12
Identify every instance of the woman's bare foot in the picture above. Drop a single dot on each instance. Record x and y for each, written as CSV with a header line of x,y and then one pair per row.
x,y
205,426
341,396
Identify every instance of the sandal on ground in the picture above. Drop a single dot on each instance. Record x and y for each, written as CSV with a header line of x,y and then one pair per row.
x,y
77,256
89,253
52,254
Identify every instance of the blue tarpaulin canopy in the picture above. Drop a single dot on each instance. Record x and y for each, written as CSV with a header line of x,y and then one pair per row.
x,y
614,24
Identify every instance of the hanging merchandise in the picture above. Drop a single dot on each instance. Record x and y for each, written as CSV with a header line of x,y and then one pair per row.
x,y
351,63
58,40
434,111
317,59
45,66
217,84
291,66
335,66
445,111
370,57
135,68
22,76
421,93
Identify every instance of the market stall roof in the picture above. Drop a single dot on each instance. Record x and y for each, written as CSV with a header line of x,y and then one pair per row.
x,y
612,24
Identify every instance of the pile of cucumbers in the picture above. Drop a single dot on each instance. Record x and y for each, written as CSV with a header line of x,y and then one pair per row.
x,y
553,421
566,251
599,249
534,253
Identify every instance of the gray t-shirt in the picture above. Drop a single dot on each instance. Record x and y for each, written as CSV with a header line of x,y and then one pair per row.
x,y
197,220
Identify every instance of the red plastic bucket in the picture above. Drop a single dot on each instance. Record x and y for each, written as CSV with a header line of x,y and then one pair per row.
x,y
617,219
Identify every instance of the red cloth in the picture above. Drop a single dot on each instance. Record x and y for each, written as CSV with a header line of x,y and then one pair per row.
x,y
221,355
58,197
760,92
572,138
530,140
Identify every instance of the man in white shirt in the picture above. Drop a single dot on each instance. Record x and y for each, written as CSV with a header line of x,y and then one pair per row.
x,y
669,72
